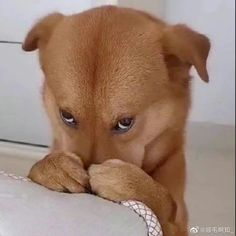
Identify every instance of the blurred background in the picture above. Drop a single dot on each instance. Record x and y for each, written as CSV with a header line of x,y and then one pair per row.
x,y
211,131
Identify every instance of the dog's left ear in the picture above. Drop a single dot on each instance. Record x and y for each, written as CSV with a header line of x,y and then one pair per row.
x,y
188,46
40,33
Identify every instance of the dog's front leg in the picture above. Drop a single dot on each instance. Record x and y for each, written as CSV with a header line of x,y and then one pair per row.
x,y
117,181
172,174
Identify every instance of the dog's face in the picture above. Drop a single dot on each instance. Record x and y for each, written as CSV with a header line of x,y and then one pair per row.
x,y
115,80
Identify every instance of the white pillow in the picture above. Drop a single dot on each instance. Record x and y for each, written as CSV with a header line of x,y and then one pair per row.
x,y
29,209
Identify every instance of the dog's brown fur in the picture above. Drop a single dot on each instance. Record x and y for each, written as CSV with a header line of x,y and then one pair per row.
x,y
104,64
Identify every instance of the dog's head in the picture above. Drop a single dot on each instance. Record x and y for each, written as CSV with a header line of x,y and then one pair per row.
x,y
115,79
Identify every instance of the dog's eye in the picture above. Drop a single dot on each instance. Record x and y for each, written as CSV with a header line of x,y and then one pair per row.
x,y
67,118
123,125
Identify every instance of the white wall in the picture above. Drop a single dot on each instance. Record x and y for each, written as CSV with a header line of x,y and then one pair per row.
x,y
155,7
22,117
213,102
16,17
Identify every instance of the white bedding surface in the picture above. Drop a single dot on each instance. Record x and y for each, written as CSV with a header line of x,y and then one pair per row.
x,y
28,209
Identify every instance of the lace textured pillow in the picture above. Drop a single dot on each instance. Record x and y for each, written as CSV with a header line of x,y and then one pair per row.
x,y
153,225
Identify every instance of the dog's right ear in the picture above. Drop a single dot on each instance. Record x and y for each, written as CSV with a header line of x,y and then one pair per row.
x,y
188,46
39,35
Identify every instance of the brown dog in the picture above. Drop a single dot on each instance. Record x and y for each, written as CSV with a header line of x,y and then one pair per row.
x,y
117,86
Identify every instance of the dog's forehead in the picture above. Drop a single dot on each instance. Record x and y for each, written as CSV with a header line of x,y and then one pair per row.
x,y
93,56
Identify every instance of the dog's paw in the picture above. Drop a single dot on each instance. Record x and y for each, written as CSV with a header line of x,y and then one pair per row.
x,y
62,172
117,180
